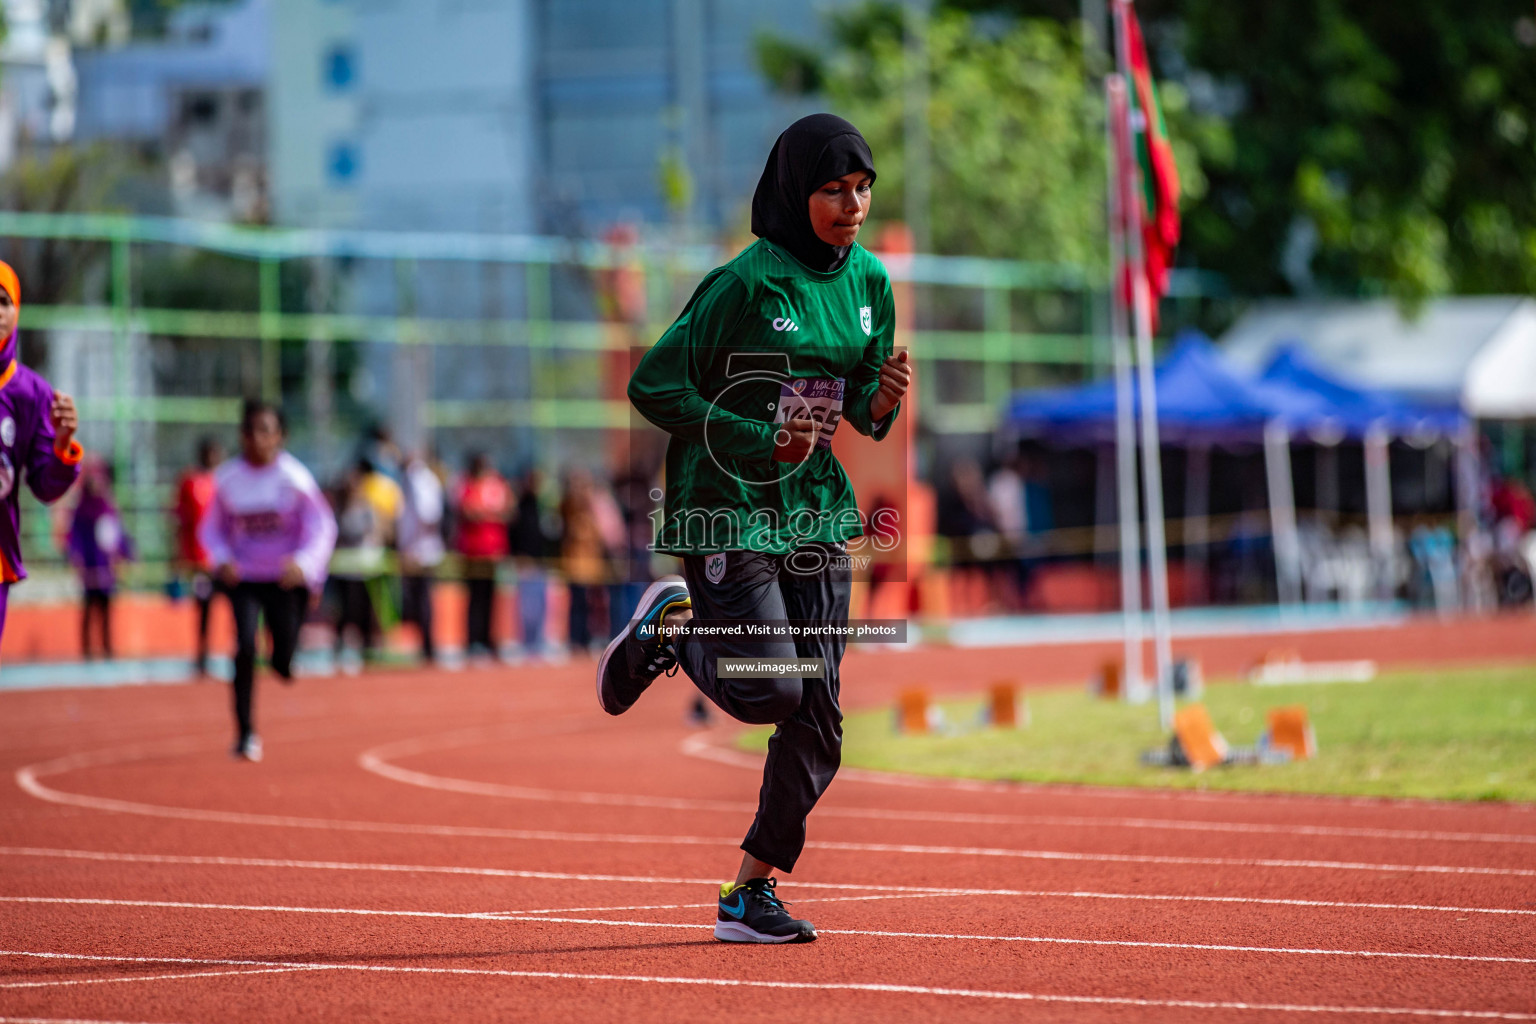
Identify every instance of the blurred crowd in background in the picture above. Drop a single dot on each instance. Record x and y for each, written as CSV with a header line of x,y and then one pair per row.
x,y
550,566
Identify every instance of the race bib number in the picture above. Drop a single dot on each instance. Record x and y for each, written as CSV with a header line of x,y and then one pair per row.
x,y
822,397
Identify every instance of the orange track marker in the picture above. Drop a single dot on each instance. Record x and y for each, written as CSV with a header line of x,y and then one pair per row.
x,y
1202,744
912,712
1109,680
1004,706
1290,730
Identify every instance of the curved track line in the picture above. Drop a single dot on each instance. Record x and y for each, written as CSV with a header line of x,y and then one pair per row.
x,y
564,876
817,986
511,916
63,1020
377,760
27,778
146,977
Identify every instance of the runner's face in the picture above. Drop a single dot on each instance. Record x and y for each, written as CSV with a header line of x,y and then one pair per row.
x,y
8,314
839,207
262,440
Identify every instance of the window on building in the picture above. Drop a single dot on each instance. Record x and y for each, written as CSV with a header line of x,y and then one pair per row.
x,y
340,67
341,163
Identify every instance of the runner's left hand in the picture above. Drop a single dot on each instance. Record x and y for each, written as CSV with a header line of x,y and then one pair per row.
x,y
895,379
64,419
292,576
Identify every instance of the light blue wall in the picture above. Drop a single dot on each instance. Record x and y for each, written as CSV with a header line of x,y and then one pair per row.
x,y
544,116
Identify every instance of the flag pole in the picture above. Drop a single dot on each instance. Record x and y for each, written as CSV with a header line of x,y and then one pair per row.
x,y
1125,415
1151,462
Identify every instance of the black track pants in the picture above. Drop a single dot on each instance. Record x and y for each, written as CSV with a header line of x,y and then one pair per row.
x,y
284,610
811,584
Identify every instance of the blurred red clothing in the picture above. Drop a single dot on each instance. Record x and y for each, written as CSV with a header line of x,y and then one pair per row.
x,y
485,502
1512,500
193,496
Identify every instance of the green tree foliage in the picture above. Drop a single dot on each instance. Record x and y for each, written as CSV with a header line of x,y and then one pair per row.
x,y
1376,148
1401,132
63,179
1016,128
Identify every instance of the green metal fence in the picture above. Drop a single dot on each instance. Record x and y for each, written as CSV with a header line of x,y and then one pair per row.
x,y
489,339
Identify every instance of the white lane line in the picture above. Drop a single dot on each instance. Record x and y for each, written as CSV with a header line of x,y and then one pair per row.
x,y
567,876
503,916
147,977
27,779
378,761
64,1020
818,986
713,903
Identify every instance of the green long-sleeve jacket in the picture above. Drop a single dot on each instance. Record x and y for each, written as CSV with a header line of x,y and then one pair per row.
x,y
763,337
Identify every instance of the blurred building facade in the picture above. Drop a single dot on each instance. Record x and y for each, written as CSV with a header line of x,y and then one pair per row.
x,y
190,100
523,116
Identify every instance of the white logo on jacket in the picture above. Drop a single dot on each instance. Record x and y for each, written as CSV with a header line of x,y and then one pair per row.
x,y
8,431
865,320
714,567
784,323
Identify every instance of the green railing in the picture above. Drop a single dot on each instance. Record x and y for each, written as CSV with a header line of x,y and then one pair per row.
x,y
980,333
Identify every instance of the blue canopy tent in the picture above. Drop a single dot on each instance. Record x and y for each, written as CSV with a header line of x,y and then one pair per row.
x,y
1202,400
1374,417
1199,398
1354,409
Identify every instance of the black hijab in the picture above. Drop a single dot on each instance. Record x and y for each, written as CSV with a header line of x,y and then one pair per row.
x,y
809,153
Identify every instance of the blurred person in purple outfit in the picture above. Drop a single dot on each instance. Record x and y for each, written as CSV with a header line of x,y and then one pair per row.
x,y
37,435
96,543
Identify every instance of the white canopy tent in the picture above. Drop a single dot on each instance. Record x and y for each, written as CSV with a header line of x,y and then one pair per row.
x,y
1479,351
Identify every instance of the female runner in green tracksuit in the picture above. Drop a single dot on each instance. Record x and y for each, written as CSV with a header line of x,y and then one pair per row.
x,y
773,351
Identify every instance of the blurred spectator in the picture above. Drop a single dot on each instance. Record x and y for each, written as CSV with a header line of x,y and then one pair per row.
x,y
965,517
591,529
632,550
194,493
380,450
96,544
1511,500
532,542
382,494
358,559
965,511
1005,496
485,505
421,546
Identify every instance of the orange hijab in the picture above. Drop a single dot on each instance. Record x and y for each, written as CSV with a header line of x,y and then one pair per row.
x,y
12,285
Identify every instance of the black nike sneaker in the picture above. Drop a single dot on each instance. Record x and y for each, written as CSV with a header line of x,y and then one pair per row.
x,y
639,654
753,912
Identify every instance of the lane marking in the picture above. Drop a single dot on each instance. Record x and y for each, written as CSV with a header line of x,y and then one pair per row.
x,y
817,986
63,1020
377,760
508,916
567,876
714,903
146,977
27,779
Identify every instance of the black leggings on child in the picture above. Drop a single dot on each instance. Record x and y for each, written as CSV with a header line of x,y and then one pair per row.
x,y
283,608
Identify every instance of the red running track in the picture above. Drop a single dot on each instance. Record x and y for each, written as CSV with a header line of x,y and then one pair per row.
x,y
488,845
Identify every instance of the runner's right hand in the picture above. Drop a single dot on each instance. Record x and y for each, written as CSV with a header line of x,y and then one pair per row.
x,y
229,575
794,441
